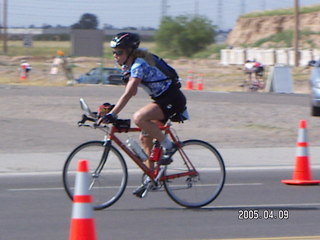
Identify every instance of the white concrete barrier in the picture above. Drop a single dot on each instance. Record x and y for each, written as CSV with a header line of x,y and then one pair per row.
x,y
305,57
268,57
282,56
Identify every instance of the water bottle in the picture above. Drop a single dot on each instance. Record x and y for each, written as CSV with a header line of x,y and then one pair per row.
x,y
156,152
135,147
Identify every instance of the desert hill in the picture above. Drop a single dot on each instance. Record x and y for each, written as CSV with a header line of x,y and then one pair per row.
x,y
249,30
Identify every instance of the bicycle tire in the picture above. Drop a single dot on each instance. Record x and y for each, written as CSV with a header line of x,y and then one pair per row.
x,y
201,189
107,186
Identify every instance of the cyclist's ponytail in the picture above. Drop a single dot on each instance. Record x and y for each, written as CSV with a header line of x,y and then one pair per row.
x,y
145,54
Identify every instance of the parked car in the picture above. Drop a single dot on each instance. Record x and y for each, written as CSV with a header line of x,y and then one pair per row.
x,y
101,75
315,88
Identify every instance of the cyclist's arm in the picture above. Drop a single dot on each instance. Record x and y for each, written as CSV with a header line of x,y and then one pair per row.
x,y
130,91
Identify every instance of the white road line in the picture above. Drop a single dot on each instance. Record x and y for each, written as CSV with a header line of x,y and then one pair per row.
x,y
34,189
276,238
243,184
283,205
263,168
112,187
252,206
132,171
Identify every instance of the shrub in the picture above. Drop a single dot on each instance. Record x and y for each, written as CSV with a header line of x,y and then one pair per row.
x,y
184,35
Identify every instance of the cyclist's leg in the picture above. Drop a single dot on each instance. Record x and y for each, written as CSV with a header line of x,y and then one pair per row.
x,y
144,117
146,143
249,76
169,103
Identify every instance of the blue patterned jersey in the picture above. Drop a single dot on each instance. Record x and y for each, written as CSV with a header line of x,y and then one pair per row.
x,y
153,81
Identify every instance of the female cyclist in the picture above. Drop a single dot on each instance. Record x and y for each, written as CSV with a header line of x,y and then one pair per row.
x,y
139,70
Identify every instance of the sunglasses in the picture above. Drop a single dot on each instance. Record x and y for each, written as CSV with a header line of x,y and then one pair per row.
x,y
117,53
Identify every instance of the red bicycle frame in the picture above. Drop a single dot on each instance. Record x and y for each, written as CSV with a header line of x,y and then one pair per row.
x,y
153,173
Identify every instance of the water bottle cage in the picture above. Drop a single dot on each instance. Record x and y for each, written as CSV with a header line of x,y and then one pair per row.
x,y
155,154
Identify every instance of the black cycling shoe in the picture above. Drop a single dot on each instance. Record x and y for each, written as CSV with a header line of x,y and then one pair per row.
x,y
166,157
144,188
165,161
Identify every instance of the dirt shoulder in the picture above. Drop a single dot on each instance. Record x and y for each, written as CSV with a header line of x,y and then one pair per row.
x,y
215,76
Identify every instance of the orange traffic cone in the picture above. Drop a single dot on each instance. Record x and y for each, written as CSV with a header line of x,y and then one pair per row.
x,y
200,82
189,85
302,172
82,222
23,73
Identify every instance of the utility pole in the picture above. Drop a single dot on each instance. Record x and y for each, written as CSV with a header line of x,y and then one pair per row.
x,y
219,14
5,26
242,7
263,5
196,7
296,33
164,7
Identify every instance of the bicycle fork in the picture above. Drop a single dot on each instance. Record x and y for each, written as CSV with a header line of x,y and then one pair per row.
x,y
95,175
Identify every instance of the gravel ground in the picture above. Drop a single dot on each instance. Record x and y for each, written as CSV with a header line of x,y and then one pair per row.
x,y
43,119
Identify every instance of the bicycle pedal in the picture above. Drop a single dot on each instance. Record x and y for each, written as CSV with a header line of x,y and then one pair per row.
x,y
139,195
140,192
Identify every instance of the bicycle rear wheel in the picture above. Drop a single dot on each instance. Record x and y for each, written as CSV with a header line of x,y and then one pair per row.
x,y
199,189
108,171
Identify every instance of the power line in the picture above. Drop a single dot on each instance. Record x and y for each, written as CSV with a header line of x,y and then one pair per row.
x,y
146,12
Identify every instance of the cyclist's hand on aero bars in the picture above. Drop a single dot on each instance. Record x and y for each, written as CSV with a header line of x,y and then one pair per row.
x,y
105,109
108,118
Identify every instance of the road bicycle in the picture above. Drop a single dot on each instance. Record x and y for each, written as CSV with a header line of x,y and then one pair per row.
x,y
254,82
194,179
252,86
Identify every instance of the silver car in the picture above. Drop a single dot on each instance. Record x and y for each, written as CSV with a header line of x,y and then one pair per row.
x,y
101,75
315,88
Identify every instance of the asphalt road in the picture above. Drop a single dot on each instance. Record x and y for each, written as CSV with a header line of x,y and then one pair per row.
x,y
36,207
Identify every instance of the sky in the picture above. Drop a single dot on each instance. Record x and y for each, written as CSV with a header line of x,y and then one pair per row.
x,y
133,13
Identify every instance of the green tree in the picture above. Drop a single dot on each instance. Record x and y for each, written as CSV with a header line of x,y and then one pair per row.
x,y
185,35
87,21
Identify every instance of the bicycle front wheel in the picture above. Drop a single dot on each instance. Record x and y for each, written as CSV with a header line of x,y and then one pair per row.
x,y
107,168
197,188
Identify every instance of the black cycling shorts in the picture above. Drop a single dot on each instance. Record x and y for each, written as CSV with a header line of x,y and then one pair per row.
x,y
171,102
